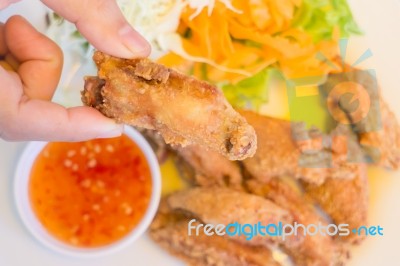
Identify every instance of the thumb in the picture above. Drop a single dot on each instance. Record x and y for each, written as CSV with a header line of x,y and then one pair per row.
x,y
22,118
103,25
72,124
43,120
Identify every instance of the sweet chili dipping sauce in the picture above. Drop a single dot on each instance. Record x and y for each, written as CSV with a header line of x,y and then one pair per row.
x,y
92,193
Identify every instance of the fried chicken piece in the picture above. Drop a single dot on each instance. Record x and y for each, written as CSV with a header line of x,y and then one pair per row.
x,y
314,250
286,149
306,154
209,168
170,230
373,121
277,154
157,143
344,200
339,152
383,146
199,166
226,206
183,109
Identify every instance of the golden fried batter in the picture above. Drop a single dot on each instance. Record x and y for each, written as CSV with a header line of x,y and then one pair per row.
x,y
281,153
313,250
210,168
383,145
225,206
170,230
345,200
378,130
183,109
277,154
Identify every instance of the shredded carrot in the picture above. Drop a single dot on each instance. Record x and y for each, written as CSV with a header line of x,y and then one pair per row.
x,y
259,36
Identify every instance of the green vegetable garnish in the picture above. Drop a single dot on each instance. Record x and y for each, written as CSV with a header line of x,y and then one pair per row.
x,y
252,92
320,17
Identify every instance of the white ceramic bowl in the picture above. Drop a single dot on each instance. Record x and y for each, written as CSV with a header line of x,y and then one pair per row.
x,y
21,194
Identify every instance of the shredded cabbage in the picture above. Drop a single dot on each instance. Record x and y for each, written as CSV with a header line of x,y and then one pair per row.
x,y
153,19
199,5
67,36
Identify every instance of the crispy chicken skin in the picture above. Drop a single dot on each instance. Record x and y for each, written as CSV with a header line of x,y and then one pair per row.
x,y
340,190
307,155
183,109
313,250
284,149
209,168
379,130
170,230
157,143
344,200
225,206
277,154
196,164
383,145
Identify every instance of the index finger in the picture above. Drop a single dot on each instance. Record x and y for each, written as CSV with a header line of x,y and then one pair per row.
x,y
103,25
40,59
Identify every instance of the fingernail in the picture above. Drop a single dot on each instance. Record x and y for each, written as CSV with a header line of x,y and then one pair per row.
x,y
115,132
134,42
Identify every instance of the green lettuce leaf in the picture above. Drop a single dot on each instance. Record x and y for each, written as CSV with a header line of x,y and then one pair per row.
x,y
320,17
252,92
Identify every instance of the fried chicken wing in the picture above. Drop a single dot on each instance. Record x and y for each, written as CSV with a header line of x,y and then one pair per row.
x,y
209,168
277,154
225,206
313,250
344,200
170,230
183,109
285,149
157,143
375,124
383,146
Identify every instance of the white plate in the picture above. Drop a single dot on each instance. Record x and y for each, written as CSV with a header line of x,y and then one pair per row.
x,y
381,22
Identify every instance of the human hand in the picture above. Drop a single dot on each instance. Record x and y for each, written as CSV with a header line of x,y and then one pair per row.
x,y
30,68
103,25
